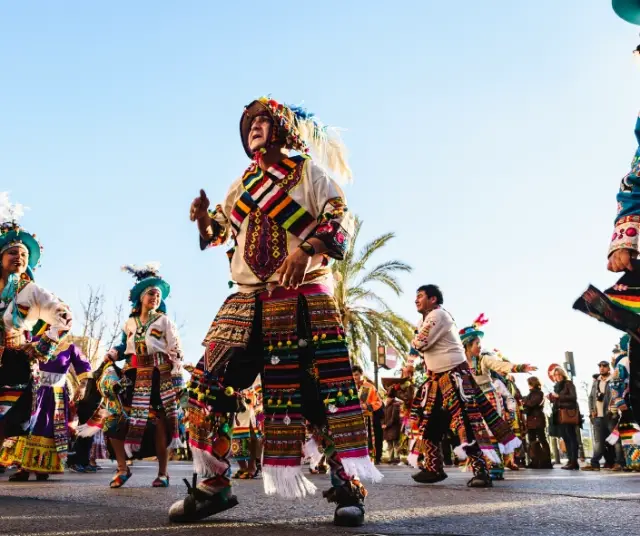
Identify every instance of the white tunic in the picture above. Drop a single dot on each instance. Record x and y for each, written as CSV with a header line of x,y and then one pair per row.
x,y
160,337
438,342
39,304
316,192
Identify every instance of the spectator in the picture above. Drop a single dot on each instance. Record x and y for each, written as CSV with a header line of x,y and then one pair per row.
x,y
603,422
391,427
539,451
566,415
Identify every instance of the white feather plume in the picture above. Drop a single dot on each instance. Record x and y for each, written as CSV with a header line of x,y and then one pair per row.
x,y
151,268
327,147
10,212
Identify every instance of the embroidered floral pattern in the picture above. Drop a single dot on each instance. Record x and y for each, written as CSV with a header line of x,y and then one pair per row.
x,y
625,234
332,234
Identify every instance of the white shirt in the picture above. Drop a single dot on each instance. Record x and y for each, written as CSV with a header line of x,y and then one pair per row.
x,y
438,342
160,337
314,192
39,304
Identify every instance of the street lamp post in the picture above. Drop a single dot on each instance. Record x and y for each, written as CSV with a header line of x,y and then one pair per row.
x,y
570,367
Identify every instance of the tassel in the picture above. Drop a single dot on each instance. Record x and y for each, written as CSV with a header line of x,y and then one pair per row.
x,y
510,446
412,460
86,430
207,465
460,451
287,482
311,451
361,468
613,437
176,443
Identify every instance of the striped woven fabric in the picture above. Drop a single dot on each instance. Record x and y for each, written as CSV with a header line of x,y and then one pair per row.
x,y
263,191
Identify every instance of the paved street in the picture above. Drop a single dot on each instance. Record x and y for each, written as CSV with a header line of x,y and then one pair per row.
x,y
546,503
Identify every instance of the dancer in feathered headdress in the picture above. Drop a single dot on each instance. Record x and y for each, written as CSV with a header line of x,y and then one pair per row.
x,y
287,218
483,364
22,305
147,396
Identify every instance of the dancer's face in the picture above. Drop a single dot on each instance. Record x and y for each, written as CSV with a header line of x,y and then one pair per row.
x,y
259,132
476,347
15,261
424,303
151,299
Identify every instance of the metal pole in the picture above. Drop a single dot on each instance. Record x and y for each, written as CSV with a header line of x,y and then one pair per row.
x,y
375,371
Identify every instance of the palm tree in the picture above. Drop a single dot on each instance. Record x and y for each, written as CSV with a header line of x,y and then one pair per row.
x,y
363,311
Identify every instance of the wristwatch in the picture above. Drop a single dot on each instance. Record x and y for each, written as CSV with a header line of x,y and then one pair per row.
x,y
307,248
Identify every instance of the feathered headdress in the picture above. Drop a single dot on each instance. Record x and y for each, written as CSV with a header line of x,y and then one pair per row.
x,y
473,331
151,269
301,131
480,321
146,276
12,234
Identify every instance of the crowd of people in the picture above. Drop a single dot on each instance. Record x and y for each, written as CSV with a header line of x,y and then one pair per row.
x,y
276,384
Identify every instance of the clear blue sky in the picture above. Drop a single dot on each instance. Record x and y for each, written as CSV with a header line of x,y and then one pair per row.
x,y
489,136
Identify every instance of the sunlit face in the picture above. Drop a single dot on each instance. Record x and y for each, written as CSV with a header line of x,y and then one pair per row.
x,y
15,260
557,376
151,299
424,303
259,132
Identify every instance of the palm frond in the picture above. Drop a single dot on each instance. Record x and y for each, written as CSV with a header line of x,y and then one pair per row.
x,y
364,312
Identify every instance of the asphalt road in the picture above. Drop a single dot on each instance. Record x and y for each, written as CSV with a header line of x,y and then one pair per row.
x,y
548,503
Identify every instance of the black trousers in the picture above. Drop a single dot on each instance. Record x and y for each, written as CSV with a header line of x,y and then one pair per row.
x,y
82,451
378,417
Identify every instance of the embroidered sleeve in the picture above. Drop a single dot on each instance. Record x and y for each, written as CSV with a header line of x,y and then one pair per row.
x,y
174,349
220,226
627,224
500,366
433,327
52,310
56,315
335,222
80,363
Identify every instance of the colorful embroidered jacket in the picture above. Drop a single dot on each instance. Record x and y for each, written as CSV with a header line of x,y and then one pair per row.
x,y
159,335
627,223
28,305
268,215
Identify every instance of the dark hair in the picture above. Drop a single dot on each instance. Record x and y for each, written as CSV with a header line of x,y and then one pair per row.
x,y
534,383
432,291
468,342
357,368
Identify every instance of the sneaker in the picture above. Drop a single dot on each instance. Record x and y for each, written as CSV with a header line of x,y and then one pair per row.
x,y
77,468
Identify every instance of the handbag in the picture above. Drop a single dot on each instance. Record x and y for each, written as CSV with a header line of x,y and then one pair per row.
x,y
568,416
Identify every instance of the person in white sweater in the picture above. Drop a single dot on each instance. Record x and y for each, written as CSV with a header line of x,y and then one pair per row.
x,y
449,399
